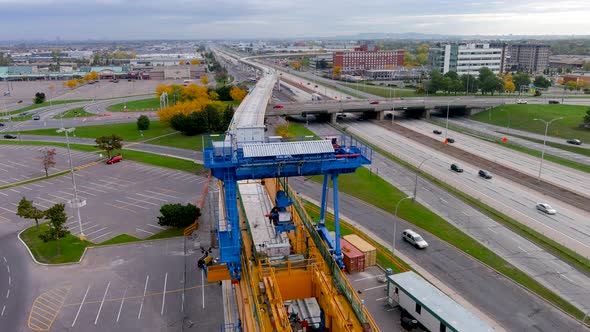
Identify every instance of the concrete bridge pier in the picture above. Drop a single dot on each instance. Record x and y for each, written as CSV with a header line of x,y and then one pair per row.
x,y
333,117
381,115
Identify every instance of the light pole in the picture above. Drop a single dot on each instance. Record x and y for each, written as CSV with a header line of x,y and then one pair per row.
x,y
547,123
76,203
395,222
447,126
416,182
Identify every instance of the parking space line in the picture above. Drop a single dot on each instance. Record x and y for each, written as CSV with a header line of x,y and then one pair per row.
x,y
102,302
90,188
147,279
164,294
24,187
1,193
151,197
143,230
371,288
142,201
127,204
156,226
65,192
100,230
87,193
122,208
16,191
81,304
3,208
98,237
44,311
62,198
43,199
157,193
121,307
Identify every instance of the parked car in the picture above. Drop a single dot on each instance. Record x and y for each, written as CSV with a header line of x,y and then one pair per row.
x,y
521,101
456,168
348,97
436,131
574,141
485,174
414,239
36,117
546,208
1,124
450,140
7,93
10,136
114,159
374,102
554,102
278,106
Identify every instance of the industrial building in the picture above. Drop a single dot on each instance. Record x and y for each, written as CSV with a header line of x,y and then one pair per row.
x,y
367,57
466,58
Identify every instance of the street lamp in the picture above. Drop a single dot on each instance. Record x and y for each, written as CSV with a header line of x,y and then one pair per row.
x,y
76,203
547,123
416,183
395,222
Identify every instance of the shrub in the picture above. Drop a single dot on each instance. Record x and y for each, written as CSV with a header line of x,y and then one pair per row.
x,y
143,122
39,98
178,215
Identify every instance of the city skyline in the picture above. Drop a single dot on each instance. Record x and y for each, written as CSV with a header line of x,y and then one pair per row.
x,y
231,19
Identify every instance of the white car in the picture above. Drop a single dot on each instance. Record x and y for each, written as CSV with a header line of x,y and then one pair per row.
x,y
414,239
521,101
546,208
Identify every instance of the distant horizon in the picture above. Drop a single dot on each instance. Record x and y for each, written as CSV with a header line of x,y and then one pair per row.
x,y
100,20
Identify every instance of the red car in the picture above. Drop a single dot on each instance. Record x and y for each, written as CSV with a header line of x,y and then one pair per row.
x,y
278,106
374,102
114,159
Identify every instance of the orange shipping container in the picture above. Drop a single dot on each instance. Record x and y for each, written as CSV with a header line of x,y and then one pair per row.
x,y
365,247
354,259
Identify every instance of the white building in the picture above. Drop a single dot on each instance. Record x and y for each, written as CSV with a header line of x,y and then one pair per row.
x,y
467,58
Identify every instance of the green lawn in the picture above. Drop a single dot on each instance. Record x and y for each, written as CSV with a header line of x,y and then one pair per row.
x,y
150,104
299,130
71,248
180,141
77,112
128,131
376,191
79,147
170,232
162,161
123,238
565,146
521,117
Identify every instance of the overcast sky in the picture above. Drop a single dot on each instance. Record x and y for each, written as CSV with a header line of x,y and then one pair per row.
x,y
197,19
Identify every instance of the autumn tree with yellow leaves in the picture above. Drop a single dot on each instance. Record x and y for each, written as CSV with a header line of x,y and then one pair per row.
x,y
237,94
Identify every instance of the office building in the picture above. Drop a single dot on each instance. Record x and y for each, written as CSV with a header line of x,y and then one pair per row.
x,y
528,58
367,57
467,58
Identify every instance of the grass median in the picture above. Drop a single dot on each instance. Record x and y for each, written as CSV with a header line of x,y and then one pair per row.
x,y
149,104
72,248
45,104
77,112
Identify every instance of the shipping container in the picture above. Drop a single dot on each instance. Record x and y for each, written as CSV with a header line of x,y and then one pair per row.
x,y
354,259
365,247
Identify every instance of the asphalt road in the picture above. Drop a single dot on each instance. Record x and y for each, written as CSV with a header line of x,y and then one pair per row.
x,y
512,307
570,283
568,178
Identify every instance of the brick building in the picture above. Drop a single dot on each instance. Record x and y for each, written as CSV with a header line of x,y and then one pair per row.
x,y
367,57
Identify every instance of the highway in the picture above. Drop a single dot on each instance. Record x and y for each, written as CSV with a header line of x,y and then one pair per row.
x,y
559,175
568,227
525,255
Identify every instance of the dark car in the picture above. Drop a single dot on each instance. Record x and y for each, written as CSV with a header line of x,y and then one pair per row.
x,y
436,131
374,102
1,124
114,159
554,102
450,140
574,141
10,136
485,174
36,117
456,168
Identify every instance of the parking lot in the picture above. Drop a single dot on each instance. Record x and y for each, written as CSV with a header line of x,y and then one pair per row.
x,y
373,292
137,287
21,163
124,198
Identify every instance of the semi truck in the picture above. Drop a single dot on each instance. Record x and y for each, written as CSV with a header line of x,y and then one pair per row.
x,y
315,96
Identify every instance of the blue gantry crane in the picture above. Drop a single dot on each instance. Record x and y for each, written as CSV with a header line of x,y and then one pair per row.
x,y
231,161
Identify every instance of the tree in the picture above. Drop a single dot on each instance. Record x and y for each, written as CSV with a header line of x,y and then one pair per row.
x,y
195,62
470,83
237,94
204,80
456,86
27,210
39,98
57,228
587,118
178,215
181,62
521,79
337,70
91,76
109,143
162,88
541,82
71,84
228,115
47,159
571,85
296,65
436,81
586,66
143,122
509,86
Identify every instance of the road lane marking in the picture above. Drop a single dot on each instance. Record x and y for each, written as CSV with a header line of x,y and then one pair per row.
x,y
121,307
371,288
147,279
3,308
7,293
81,305
164,294
102,302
